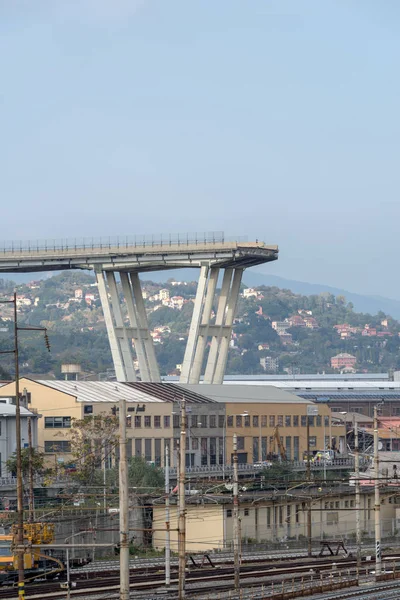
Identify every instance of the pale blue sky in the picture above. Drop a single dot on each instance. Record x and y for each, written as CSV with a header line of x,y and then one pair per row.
x,y
272,118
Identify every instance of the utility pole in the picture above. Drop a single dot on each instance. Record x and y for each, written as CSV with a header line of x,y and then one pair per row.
x,y
123,505
236,562
31,492
20,499
182,507
308,473
357,472
18,448
167,522
378,555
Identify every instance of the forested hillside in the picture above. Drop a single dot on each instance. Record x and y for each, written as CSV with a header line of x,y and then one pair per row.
x,y
274,330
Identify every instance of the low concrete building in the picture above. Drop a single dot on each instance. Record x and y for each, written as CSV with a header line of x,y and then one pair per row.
x,y
274,517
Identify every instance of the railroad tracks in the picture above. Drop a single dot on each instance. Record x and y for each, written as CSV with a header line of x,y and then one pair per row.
x,y
292,578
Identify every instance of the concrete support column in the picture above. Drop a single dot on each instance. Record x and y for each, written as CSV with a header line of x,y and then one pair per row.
x,y
227,330
203,330
143,326
124,340
192,340
217,329
112,336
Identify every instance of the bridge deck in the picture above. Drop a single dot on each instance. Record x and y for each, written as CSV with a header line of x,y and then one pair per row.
x,y
135,257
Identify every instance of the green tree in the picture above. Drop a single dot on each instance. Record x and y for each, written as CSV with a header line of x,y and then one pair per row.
x,y
37,462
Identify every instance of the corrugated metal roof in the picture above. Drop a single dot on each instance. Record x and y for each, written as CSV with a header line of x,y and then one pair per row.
x,y
245,393
324,385
356,395
100,391
170,392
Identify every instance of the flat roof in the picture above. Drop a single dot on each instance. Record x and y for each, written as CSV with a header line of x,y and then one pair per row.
x,y
245,393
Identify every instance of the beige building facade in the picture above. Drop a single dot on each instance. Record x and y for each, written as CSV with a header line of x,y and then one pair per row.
x,y
209,525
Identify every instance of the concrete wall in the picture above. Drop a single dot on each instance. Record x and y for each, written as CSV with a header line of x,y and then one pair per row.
x,y
204,528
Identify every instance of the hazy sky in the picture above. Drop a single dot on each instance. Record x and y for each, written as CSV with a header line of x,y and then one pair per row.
x,y
276,119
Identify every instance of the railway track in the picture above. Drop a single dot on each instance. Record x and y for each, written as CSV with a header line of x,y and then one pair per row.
x,y
219,577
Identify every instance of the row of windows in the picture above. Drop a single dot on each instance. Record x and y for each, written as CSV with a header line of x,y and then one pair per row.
x,y
279,420
281,515
57,422
57,446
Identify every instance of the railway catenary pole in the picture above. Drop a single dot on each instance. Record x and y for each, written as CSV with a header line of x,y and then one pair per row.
x,y
167,522
182,506
20,500
31,491
236,562
308,477
357,482
378,552
123,505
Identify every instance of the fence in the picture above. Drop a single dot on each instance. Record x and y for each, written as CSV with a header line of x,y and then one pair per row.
x,y
115,242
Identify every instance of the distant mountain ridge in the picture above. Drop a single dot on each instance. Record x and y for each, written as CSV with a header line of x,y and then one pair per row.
x,y
252,278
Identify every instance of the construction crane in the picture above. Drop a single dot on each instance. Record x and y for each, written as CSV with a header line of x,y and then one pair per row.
x,y
278,440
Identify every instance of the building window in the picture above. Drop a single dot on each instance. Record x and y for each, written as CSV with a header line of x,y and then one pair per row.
x,y
288,447
57,422
238,420
296,448
213,421
311,421
246,512
213,451
229,512
195,444
203,421
240,442
221,421
157,452
297,513
57,446
303,421
332,518
138,447
255,420
247,421
138,421
319,421
263,420
352,503
295,420
346,504
147,421
256,443
147,450
204,452
229,421
313,441
129,421
288,421
88,409
157,422
326,421
193,421
280,420
268,516
272,420
176,421
167,421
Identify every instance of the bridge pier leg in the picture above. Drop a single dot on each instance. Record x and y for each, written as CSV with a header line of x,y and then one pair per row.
x,y
149,358
201,328
119,344
120,334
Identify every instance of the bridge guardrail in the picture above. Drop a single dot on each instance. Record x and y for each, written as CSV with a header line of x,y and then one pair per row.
x,y
115,242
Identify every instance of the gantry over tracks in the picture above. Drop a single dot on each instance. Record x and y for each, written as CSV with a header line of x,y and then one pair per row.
x,y
126,257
